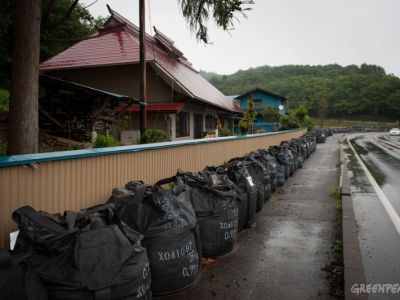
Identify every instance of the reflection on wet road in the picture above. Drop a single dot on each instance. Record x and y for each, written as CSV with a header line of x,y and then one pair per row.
x,y
395,139
378,238
383,162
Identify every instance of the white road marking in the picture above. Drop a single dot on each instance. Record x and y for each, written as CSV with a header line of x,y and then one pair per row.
x,y
394,217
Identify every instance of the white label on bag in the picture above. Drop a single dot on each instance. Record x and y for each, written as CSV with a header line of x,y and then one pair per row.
x,y
250,180
13,239
214,179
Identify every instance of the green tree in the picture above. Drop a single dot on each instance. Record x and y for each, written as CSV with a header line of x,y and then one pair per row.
x,y
65,27
249,116
61,27
197,13
272,115
323,109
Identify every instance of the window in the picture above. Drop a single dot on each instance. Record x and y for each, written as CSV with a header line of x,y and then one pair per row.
x,y
210,123
182,124
258,104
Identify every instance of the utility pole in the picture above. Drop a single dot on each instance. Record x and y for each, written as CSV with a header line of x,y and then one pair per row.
x,y
143,83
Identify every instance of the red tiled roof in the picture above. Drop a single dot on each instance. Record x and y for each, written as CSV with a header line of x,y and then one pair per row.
x,y
175,107
118,43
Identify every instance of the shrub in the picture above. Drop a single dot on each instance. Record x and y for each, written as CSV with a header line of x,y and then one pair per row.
x,y
272,115
288,122
225,132
296,119
153,136
261,131
4,97
308,123
105,141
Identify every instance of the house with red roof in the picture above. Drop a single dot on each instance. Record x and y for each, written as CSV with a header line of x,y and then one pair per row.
x,y
180,101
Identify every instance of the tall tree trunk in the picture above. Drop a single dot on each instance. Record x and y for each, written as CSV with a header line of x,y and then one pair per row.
x,y
23,128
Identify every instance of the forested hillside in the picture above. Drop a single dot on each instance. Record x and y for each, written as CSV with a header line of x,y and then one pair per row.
x,y
345,91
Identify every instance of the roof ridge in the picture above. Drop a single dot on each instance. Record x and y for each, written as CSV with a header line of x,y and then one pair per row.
x,y
120,18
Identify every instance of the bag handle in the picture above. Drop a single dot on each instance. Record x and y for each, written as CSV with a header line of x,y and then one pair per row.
x,y
139,192
70,217
34,216
189,175
180,186
108,207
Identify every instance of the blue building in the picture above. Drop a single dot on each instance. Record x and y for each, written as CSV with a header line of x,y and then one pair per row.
x,y
262,100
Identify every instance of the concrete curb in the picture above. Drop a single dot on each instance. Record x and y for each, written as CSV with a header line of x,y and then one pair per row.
x,y
353,266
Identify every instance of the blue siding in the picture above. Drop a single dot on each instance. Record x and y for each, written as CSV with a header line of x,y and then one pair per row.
x,y
267,100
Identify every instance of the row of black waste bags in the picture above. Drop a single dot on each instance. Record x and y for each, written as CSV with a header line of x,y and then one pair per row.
x,y
321,134
147,239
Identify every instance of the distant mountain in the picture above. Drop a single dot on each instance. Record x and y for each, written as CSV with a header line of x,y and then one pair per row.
x,y
364,90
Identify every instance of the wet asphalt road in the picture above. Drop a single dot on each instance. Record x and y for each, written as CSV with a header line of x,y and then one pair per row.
x,y
378,239
383,162
282,255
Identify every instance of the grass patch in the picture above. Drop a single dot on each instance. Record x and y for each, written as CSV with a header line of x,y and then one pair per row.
x,y
336,193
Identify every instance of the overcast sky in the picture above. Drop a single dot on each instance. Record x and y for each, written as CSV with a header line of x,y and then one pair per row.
x,y
280,32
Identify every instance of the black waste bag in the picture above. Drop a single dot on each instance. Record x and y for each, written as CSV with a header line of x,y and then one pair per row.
x,y
85,255
171,232
215,202
246,191
270,162
303,149
306,147
319,135
295,146
18,281
256,178
282,158
288,152
312,142
260,173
